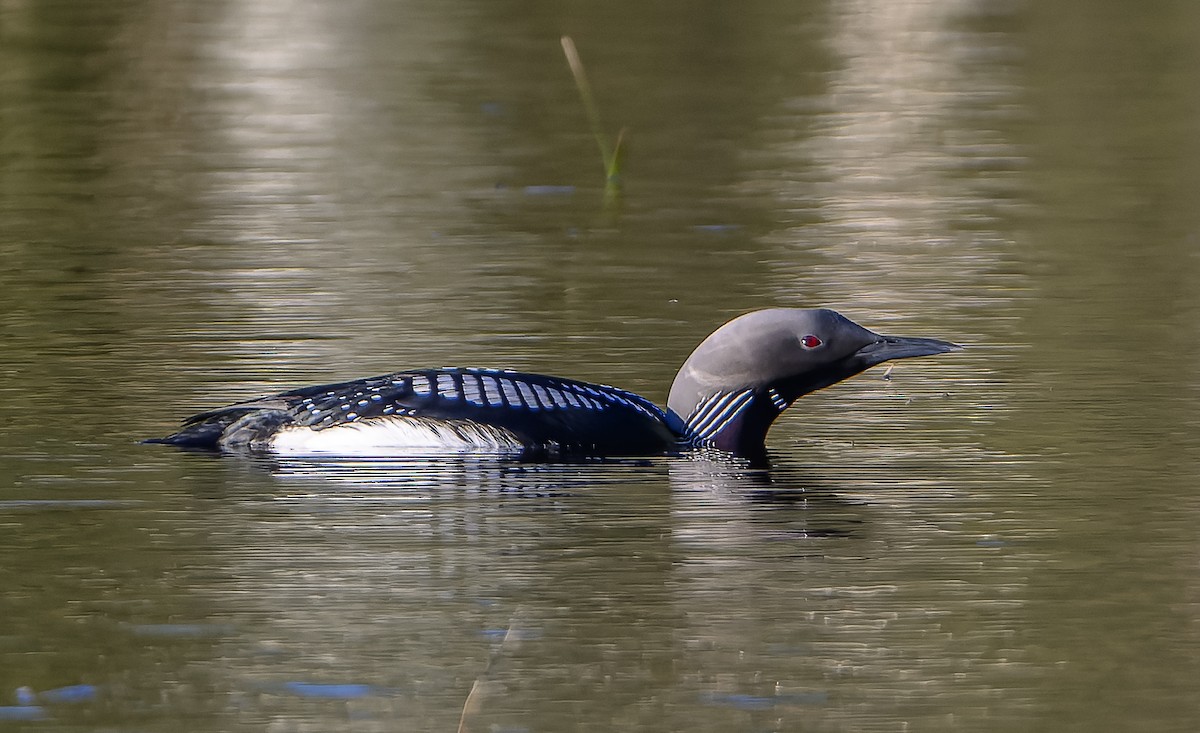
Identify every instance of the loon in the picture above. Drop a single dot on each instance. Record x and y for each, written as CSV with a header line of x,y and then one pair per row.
x,y
725,398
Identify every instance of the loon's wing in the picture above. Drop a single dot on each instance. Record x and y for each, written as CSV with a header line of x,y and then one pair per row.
x,y
541,412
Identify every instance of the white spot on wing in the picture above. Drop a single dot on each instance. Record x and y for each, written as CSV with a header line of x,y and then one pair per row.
x,y
543,395
527,397
510,392
559,398
592,403
472,392
491,390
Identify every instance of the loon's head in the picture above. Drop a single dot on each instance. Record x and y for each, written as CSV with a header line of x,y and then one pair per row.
x,y
768,359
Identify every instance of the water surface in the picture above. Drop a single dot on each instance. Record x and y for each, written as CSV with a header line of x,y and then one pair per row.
x,y
201,203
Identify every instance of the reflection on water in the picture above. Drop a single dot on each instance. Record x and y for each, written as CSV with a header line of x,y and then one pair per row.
x,y
205,202
910,174
393,585
483,473
563,590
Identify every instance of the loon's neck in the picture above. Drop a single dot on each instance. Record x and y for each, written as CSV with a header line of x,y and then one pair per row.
x,y
736,422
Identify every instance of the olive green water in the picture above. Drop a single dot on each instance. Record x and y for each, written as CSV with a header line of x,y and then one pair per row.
x,y
204,202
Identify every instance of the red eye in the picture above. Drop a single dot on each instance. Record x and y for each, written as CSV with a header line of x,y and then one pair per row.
x,y
810,342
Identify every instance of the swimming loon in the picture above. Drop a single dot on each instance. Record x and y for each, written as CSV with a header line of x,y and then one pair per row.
x,y
725,397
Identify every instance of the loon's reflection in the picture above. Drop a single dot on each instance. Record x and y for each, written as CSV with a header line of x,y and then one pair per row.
x,y
725,501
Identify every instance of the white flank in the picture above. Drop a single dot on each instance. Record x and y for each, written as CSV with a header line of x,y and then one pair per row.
x,y
396,436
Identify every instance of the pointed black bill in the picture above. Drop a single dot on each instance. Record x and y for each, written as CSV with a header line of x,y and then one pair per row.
x,y
887,348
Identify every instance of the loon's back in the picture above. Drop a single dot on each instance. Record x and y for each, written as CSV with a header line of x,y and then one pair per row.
x,y
438,410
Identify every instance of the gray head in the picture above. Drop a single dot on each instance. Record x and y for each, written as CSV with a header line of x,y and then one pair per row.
x,y
739,379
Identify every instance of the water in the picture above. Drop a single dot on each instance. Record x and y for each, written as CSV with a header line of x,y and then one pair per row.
x,y
201,203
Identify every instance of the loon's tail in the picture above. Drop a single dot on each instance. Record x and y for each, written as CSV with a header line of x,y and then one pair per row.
x,y
236,427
